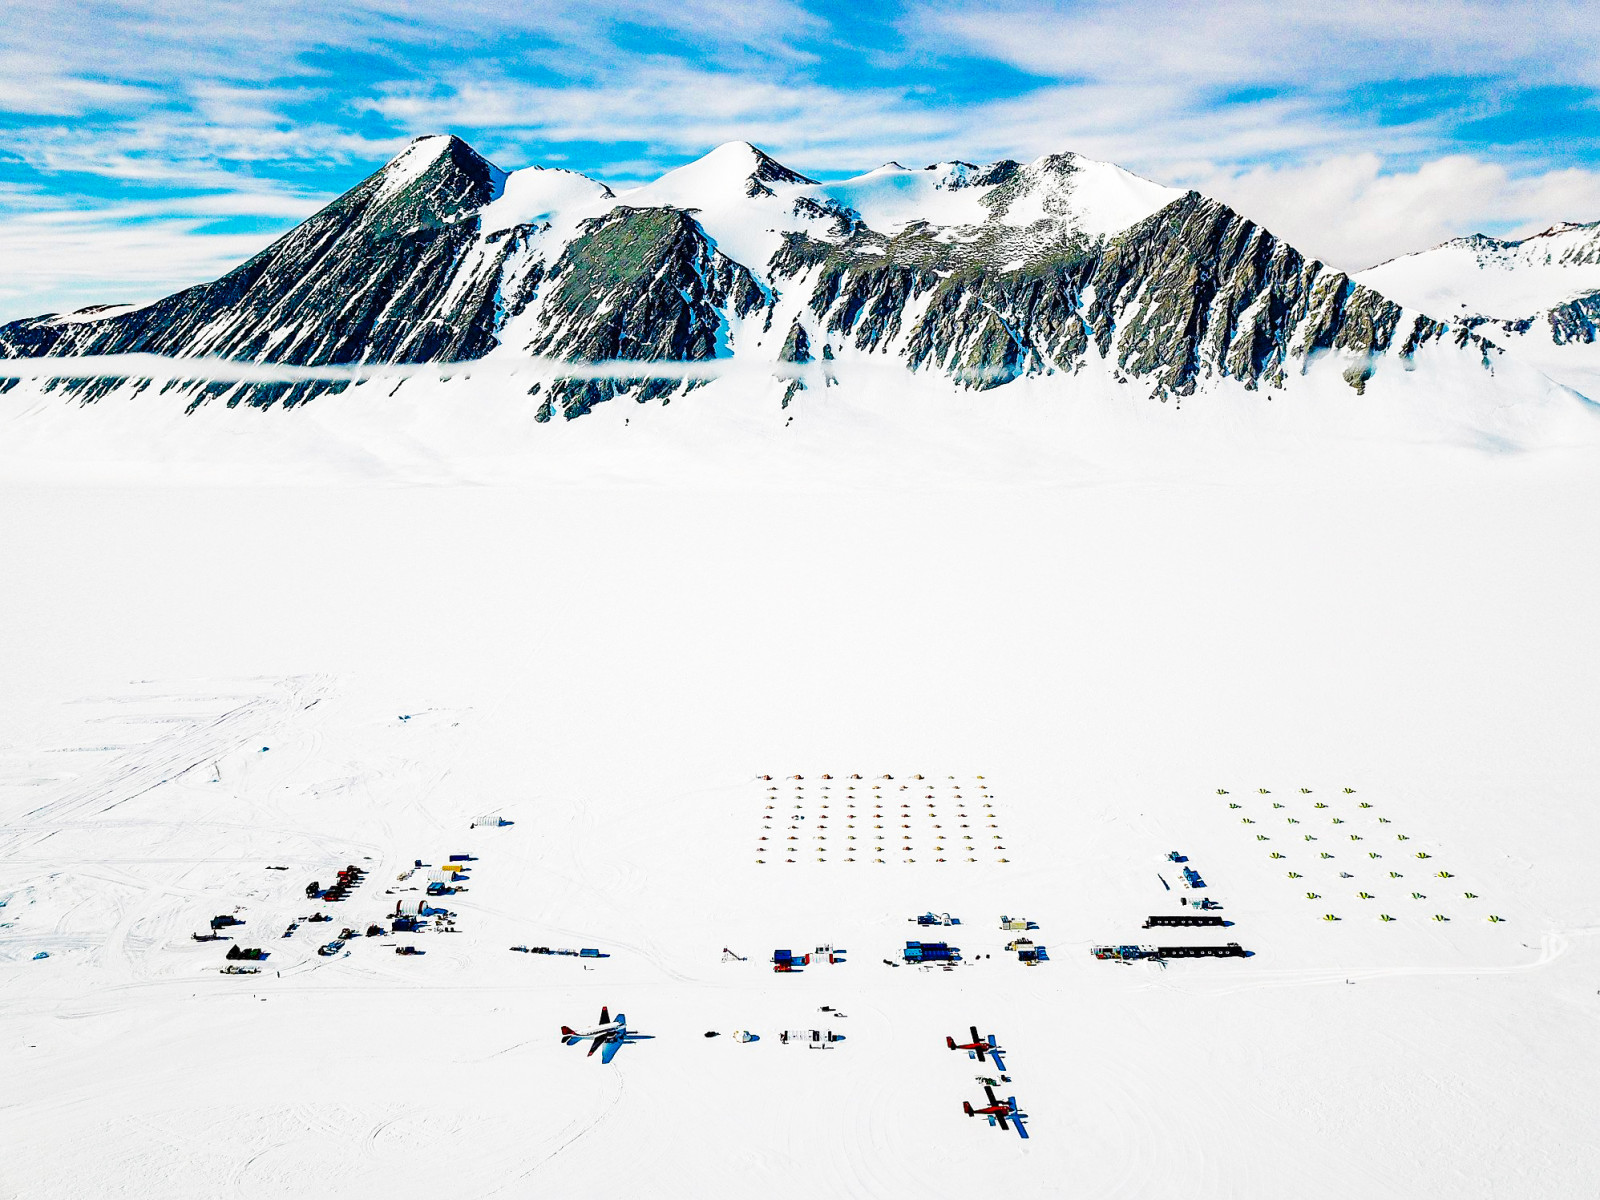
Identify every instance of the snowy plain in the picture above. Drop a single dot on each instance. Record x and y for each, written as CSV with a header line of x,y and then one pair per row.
x,y
606,631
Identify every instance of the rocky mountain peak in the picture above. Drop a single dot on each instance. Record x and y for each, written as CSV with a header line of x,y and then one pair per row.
x,y
987,273
732,168
436,180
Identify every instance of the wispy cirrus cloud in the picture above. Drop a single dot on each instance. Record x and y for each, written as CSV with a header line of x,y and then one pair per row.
x,y
1357,129
1251,42
158,245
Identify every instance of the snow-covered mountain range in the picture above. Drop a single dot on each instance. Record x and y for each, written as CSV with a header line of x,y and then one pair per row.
x,y
1539,297
980,273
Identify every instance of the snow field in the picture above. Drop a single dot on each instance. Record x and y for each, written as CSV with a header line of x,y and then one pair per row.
x,y
1465,278
612,667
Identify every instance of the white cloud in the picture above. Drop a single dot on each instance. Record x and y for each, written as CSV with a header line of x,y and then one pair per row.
x,y
674,109
1250,101
1248,42
1351,213
59,259
25,88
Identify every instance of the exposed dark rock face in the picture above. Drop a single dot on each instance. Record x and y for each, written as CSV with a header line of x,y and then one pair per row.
x,y
639,284
1576,321
769,171
1193,291
797,346
399,270
375,276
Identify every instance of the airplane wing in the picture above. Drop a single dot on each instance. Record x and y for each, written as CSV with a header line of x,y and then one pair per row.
x,y
1000,1117
994,1053
610,1051
1016,1116
602,1040
989,1091
975,1036
605,1014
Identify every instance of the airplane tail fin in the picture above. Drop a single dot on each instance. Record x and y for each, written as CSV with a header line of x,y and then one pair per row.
x,y
951,1042
567,1031
966,1107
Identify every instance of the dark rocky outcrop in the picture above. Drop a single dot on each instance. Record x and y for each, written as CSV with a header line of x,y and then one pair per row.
x,y
398,270
1194,291
375,276
639,284
1575,322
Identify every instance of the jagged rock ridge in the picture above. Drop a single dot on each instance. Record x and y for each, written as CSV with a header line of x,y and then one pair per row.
x,y
984,273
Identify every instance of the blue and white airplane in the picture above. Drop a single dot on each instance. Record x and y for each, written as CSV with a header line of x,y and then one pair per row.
x,y
609,1034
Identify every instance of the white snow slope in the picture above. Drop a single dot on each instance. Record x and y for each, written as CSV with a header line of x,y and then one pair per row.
x,y
1508,281
1088,626
1487,277
746,201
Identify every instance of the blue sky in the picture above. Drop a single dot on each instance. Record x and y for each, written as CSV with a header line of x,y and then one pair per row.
x,y
145,145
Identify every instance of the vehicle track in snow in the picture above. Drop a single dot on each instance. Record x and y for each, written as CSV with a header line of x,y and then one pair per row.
x,y
135,770
574,1131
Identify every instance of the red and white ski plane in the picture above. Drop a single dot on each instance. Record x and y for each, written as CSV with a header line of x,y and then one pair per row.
x,y
998,1111
978,1047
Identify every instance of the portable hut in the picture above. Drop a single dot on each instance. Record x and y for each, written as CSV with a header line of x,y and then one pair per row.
x,y
926,952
